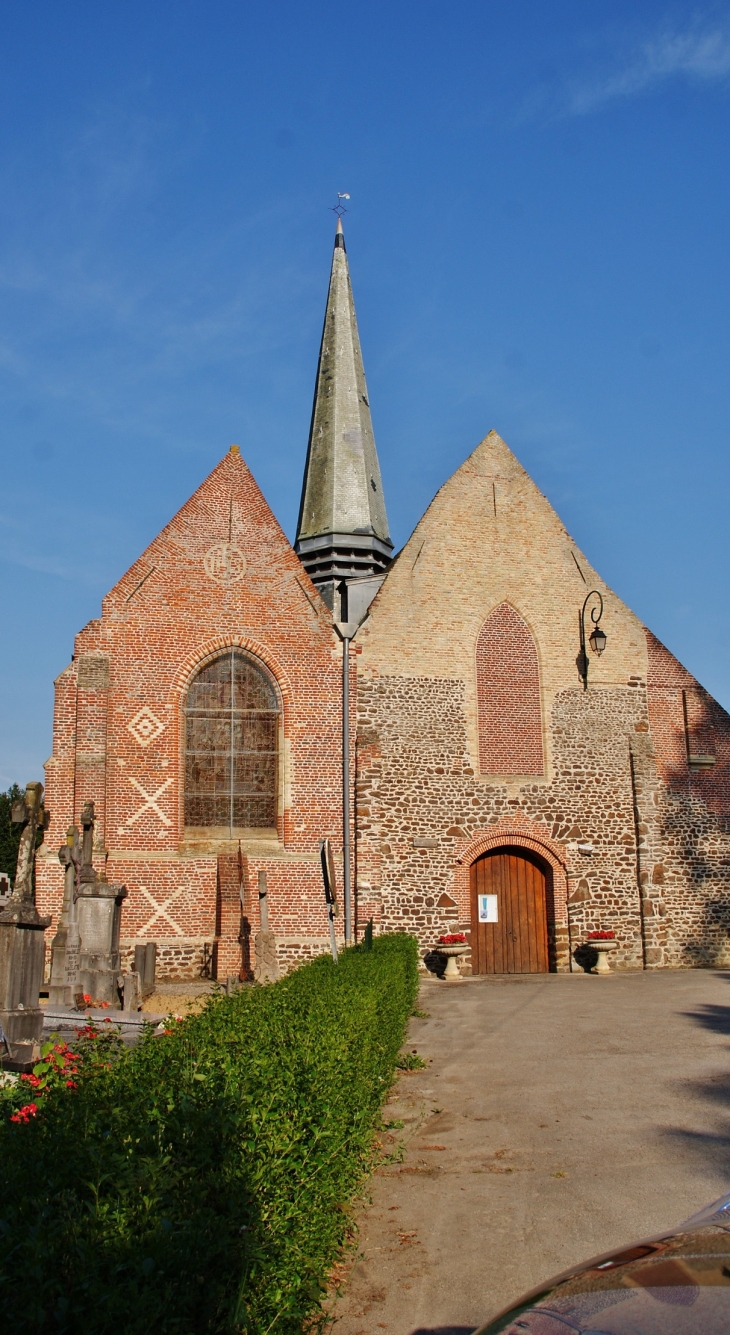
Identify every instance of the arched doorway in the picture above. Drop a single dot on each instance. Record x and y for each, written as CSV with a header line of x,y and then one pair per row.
x,y
510,894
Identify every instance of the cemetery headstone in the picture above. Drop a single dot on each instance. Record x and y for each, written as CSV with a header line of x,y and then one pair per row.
x,y
98,913
132,991
65,944
145,964
22,950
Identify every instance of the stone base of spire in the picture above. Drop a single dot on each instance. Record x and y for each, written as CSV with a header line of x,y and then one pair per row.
x,y
331,559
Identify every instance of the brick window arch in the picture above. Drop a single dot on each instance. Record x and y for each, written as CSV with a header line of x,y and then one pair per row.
x,y
508,694
232,725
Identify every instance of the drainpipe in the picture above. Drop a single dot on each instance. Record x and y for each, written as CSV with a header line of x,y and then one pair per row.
x,y
346,631
638,840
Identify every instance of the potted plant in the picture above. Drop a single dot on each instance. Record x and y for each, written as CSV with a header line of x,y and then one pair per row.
x,y
452,945
603,942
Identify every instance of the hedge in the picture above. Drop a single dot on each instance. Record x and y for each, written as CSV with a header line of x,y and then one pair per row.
x,y
202,1182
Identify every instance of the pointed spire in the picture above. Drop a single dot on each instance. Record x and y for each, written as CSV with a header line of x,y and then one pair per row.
x,y
342,531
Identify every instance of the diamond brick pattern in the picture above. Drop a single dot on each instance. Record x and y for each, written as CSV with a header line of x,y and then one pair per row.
x,y
145,727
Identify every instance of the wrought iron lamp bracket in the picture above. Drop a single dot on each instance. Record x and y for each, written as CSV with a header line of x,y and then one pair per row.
x,y
596,614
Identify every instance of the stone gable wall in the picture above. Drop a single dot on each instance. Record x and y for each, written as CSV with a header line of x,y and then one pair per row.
x,y
642,832
658,869
420,805
488,538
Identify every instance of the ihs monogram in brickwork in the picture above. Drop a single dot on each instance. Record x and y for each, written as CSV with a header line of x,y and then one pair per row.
x,y
145,726
225,563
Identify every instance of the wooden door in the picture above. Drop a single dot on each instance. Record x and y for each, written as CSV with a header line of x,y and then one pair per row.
x,y
517,942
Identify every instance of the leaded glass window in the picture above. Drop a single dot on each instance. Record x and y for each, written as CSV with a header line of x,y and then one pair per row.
x,y
232,746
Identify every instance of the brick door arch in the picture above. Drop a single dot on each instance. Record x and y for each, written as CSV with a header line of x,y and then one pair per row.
x,y
520,833
512,910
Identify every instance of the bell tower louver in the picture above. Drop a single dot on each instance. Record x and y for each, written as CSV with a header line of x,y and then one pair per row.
x,y
342,537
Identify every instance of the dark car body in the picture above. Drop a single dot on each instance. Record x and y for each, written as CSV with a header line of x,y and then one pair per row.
x,y
677,1283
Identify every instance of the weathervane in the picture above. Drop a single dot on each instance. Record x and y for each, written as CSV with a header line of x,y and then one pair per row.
x,y
339,207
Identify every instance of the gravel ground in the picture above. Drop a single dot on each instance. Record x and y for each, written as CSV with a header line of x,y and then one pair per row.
x,y
560,1116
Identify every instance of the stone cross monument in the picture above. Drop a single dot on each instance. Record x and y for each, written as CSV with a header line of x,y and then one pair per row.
x,y
65,945
22,949
98,914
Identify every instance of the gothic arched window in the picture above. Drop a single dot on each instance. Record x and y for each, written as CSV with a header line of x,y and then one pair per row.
x,y
232,718
508,695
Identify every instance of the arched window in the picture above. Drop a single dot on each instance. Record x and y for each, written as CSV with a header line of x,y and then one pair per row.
x,y
508,694
232,717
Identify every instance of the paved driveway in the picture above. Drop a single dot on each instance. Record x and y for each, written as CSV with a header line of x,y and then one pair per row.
x,y
559,1116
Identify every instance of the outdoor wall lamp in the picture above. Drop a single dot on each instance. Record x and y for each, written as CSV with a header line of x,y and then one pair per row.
x,y
597,638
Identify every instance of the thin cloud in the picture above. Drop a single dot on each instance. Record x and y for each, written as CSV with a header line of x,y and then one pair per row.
x,y
700,56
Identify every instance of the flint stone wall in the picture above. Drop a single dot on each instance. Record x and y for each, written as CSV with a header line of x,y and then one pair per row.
x,y
658,874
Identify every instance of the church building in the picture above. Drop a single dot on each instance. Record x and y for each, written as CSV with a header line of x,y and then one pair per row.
x,y
529,764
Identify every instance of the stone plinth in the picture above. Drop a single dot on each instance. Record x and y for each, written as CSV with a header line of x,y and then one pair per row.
x,y
267,960
98,912
21,972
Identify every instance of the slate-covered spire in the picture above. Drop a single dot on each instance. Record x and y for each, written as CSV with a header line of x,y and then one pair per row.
x,y
342,532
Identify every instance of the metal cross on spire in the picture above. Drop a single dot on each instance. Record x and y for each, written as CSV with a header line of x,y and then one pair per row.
x,y
339,207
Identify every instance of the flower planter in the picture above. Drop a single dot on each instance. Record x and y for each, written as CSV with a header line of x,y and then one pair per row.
x,y
452,953
603,946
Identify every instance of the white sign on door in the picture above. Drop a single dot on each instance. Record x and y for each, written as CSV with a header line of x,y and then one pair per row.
x,y
488,908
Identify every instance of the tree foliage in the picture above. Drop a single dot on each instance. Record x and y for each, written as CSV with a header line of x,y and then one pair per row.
x,y
9,833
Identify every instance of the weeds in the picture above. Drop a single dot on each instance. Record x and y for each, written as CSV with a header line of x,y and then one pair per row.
x,y
410,1061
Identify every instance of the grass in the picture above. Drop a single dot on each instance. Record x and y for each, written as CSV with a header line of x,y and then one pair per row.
x,y
410,1061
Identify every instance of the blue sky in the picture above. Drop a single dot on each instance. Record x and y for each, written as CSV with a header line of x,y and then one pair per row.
x,y
538,239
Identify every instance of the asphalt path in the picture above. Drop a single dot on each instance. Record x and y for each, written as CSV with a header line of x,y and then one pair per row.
x,y
559,1116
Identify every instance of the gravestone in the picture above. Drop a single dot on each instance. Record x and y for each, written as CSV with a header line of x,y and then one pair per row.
x,y
65,944
22,949
267,960
98,914
145,965
132,991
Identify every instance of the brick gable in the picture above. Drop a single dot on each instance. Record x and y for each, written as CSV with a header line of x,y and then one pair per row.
x,y
220,574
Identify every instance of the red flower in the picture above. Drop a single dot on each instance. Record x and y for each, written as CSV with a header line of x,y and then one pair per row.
x,y
71,1084
601,936
24,1114
453,939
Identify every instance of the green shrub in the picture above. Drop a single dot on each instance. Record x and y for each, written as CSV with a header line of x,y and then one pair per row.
x,y
201,1183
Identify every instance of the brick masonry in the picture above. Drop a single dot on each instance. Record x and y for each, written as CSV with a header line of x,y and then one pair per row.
x,y
470,728
221,574
633,834
508,696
